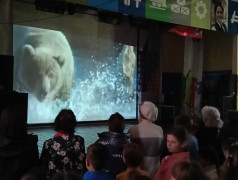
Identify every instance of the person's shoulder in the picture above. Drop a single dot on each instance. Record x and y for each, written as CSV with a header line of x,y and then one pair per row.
x,y
121,176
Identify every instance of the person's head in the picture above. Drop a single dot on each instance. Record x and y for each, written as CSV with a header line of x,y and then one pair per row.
x,y
66,176
227,144
96,158
177,139
218,12
186,171
137,176
116,123
132,155
65,121
211,117
183,120
148,111
35,174
231,118
207,156
13,122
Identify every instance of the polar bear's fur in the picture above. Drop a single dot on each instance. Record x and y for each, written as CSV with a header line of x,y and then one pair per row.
x,y
46,65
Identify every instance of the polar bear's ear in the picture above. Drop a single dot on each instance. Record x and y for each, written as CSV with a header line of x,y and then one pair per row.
x,y
28,50
60,60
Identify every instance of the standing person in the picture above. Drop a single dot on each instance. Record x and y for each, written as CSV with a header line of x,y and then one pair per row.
x,y
114,140
184,120
149,136
132,156
177,142
65,151
96,159
18,150
218,14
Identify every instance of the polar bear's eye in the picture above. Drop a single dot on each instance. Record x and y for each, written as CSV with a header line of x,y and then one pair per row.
x,y
59,59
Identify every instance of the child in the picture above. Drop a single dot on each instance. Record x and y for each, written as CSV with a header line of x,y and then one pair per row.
x,y
95,160
132,156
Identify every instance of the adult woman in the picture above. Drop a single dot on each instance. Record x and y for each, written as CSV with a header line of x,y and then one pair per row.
x,y
177,141
218,13
65,151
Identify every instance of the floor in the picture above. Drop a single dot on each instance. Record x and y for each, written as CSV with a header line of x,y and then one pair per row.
x,y
88,132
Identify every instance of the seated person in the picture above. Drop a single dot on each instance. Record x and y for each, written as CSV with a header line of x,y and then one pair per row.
x,y
18,150
65,151
114,140
177,143
95,160
132,156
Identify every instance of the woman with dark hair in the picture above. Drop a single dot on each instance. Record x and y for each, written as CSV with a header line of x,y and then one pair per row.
x,y
218,14
177,143
18,150
187,171
65,151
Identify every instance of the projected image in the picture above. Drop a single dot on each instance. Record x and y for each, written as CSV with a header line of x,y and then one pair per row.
x,y
57,73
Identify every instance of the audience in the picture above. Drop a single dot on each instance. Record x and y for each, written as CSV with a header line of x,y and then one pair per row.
x,y
114,140
18,150
149,136
66,176
132,156
208,160
187,171
229,169
36,173
183,120
177,142
65,151
96,159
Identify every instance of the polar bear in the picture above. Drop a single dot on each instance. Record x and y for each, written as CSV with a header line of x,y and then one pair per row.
x,y
45,66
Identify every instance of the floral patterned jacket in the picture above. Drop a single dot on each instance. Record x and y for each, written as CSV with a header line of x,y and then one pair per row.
x,y
63,153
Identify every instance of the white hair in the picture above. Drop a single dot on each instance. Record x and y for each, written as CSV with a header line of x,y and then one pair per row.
x,y
211,117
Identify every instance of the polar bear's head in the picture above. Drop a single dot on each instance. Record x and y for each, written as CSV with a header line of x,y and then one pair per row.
x,y
43,73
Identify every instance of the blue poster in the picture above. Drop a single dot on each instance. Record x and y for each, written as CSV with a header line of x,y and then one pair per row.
x,y
233,16
132,7
111,5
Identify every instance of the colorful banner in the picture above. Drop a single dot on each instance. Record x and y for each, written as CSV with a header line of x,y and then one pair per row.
x,y
200,13
132,7
180,11
111,5
233,16
197,13
158,10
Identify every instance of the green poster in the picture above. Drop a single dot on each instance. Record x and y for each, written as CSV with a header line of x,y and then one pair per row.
x,y
200,13
158,10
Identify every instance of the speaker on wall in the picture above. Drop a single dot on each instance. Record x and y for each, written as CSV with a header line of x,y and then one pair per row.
x,y
6,73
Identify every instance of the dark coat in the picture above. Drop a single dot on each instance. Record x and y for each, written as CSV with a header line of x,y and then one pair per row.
x,y
115,143
18,156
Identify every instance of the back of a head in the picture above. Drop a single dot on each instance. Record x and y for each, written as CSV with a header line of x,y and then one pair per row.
x,y
13,122
209,154
66,176
97,155
136,176
183,120
184,170
211,117
132,154
65,121
148,111
116,123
